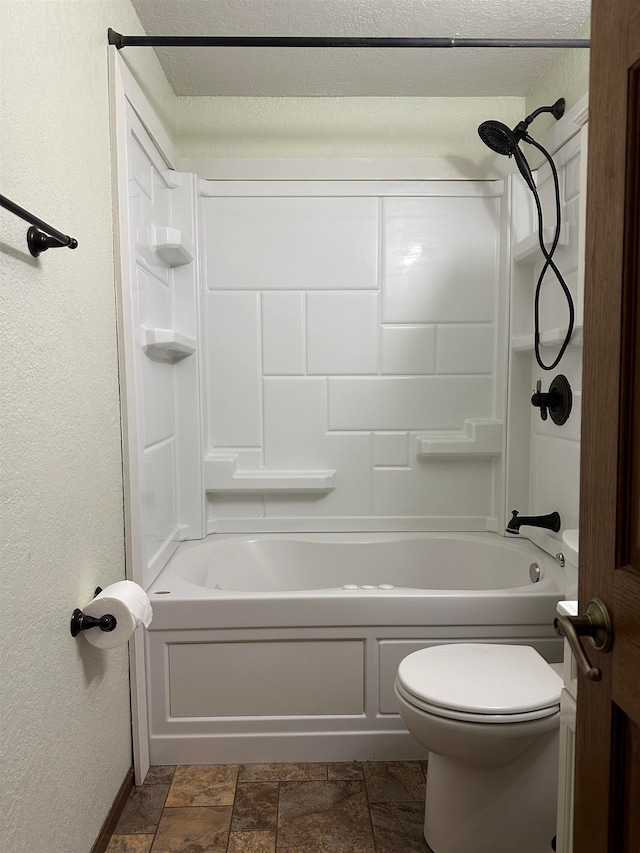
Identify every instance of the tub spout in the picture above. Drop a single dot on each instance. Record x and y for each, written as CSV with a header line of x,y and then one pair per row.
x,y
549,522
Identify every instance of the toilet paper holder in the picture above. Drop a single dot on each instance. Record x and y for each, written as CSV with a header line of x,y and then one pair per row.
x,y
81,622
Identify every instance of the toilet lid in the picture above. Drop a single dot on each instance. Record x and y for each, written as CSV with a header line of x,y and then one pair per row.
x,y
481,678
468,717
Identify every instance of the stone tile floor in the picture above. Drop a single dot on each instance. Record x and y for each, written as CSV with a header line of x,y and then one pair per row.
x,y
350,807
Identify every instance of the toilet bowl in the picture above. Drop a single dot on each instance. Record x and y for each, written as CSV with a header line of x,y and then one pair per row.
x,y
489,715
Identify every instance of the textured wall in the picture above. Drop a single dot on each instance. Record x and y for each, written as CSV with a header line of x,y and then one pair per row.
x,y
338,127
367,127
66,742
146,69
361,72
567,77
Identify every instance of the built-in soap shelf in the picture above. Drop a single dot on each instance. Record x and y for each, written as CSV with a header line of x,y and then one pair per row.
x,y
166,344
527,250
171,246
479,437
222,473
551,338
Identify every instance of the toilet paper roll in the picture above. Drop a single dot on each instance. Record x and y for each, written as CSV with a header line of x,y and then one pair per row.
x,y
130,605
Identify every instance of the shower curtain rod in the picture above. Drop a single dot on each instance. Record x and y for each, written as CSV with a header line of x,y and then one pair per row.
x,y
120,41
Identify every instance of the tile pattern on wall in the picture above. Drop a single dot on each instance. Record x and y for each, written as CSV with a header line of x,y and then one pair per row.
x,y
338,328
345,807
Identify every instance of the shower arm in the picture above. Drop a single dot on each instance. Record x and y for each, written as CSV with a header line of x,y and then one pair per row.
x,y
536,113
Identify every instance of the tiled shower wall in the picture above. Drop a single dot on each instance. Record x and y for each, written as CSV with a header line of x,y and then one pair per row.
x,y
355,339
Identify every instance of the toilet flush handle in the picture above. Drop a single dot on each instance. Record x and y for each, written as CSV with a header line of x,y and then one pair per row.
x,y
596,625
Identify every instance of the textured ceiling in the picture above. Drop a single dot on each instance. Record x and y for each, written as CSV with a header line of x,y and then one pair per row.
x,y
352,72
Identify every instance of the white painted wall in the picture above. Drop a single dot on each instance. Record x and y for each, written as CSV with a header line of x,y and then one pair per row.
x,y
66,742
567,77
366,127
338,127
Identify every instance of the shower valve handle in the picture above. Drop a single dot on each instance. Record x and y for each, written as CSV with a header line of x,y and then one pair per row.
x,y
541,400
556,402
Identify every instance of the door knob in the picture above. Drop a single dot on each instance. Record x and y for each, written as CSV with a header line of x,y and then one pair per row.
x,y
595,624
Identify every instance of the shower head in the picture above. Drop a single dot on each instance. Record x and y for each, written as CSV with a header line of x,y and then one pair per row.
x,y
498,137
501,139
504,141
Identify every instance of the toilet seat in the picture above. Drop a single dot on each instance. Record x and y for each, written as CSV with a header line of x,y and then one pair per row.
x,y
480,719
480,682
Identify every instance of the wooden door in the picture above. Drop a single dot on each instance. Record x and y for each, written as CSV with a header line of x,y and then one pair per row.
x,y
607,816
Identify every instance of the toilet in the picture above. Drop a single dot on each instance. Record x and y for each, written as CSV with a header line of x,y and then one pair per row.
x,y
489,715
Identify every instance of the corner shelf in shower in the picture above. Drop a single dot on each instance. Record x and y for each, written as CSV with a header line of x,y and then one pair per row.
x,y
527,250
166,344
222,474
552,338
480,437
171,246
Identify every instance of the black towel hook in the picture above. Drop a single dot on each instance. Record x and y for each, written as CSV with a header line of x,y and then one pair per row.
x,y
81,622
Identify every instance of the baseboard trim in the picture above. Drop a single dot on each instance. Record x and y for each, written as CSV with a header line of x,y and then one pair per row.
x,y
102,841
374,745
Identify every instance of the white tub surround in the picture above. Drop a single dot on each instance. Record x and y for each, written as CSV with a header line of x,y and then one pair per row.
x,y
223,474
544,459
285,647
353,358
309,355
159,335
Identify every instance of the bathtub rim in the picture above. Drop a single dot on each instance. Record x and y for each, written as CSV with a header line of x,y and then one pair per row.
x,y
185,589
188,605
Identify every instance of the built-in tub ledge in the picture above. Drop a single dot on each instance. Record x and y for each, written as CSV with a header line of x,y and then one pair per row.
x,y
222,474
162,246
480,437
166,344
171,246
527,250
550,338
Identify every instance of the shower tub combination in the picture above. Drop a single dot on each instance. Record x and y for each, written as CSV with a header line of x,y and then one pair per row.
x,y
284,647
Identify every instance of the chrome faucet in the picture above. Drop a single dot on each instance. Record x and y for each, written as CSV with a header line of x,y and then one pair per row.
x,y
549,522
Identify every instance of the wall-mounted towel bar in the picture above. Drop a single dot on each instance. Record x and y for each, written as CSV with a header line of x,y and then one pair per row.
x,y
40,236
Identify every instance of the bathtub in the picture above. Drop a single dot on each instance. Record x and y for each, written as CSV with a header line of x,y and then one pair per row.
x,y
284,647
